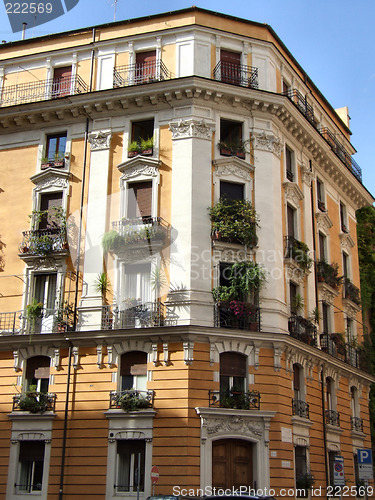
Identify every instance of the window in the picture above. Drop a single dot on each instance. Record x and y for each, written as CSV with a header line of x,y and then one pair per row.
x,y
133,371
142,130
293,292
232,372
349,329
320,195
231,190
331,466
145,67
55,147
37,373
231,138
137,282
343,218
31,462
139,199
49,202
230,63
289,163
130,465
345,265
322,246
286,87
62,80
291,221
330,394
297,376
354,404
300,463
326,315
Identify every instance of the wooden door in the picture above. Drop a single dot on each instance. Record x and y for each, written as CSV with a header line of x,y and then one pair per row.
x,y
62,79
230,67
145,66
232,463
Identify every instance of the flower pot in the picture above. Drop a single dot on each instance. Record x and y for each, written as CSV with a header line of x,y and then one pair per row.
x,y
147,152
241,154
44,166
132,154
58,164
24,249
226,152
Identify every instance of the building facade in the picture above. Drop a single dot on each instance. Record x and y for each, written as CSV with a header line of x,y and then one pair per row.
x,y
179,269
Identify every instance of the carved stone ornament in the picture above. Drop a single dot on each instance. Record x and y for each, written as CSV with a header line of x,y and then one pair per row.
x,y
145,170
193,128
233,167
323,221
45,264
233,423
327,293
50,179
351,309
307,175
294,272
293,192
139,166
99,140
268,142
346,241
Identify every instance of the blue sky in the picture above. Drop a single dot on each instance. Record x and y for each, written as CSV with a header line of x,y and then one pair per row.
x,y
333,40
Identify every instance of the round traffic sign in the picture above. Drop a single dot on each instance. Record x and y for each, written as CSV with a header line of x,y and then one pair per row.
x,y
154,474
338,467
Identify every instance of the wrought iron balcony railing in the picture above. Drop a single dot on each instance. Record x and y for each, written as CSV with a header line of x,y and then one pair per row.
x,y
136,74
143,229
44,241
300,408
328,344
238,74
351,292
302,329
131,399
42,90
357,424
136,314
237,314
333,417
301,102
341,152
238,400
48,321
34,402
328,273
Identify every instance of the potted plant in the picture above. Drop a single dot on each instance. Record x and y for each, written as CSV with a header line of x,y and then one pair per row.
x,y
59,161
304,482
241,149
133,149
297,303
101,284
113,242
41,244
33,401
147,146
33,314
225,149
132,400
45,163
64,317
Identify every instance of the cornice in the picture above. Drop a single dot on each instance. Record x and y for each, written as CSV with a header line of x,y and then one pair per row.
x,y
185,91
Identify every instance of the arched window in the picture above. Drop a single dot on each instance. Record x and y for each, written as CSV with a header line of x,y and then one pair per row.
x,y
133,371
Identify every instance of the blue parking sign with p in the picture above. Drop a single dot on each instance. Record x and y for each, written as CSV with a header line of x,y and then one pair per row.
x,y
364,456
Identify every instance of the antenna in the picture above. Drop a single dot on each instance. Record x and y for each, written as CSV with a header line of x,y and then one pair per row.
x,y
114,15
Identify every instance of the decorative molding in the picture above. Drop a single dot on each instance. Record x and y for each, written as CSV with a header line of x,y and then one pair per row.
x,y
327,293
56,359
31,436
99,351
165,353
232,423
100,141
350,308
140,165
323,221
188,352
50,179
292,192
346,241
233,166
277,353
45,264
268,142
294,272
193,128
75,352
154,354
110,361
17,360
307,175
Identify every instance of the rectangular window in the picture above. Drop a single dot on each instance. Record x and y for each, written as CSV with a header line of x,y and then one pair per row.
x,y
230,67
292,297
145,67
142,130
55,147
331,465
139,199
137,284
320,195
325,314
230,137
48,202
291,217
286,87
289,164
130,465
345,265
300,460
31,461
322,246
231,190
62,80
343,218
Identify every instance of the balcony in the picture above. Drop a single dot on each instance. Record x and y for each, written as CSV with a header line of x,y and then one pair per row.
x,y
333,418
333,344
42,90
238,400
135,314
34,402
302,329
297,251
328,273
300,101
137,74
45,321
300,408
238,315
351,292
137,238
131,400
357,424
341,152
237,74
41,242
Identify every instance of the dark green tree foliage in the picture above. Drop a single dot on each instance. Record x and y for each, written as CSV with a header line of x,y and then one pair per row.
x,y
366,252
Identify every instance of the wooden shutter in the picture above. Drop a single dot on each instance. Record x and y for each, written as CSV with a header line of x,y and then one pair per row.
x,y
139,199
296,378
290,220
226,56
145,66
62,78
232,364
230,67
47,201
31,451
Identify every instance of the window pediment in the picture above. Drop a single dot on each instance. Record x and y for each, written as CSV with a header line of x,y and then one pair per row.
x,y
323,221
233,166
293,192
140,165
51,178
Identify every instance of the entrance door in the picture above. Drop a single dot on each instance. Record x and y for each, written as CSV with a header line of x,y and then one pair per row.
x,y
232,463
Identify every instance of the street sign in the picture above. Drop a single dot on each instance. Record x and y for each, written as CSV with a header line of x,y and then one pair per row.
x,y
154,474
338,471
364,464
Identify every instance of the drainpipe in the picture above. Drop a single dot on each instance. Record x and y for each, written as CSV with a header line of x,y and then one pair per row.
x,y
324,429
62,468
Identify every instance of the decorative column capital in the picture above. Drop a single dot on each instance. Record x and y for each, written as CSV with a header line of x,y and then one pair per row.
x,y
99,140
192,128
268,142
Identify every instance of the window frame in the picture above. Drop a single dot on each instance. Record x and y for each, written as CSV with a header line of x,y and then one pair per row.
x,y
290,164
